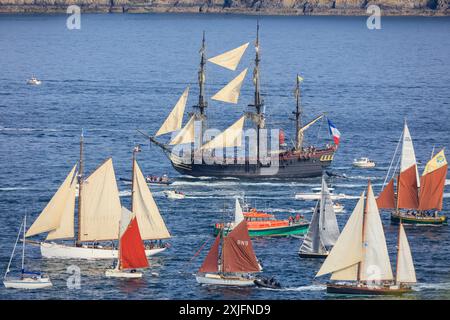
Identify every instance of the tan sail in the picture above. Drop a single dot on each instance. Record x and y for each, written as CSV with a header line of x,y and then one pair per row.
x,y
175,118
375,264
405,265
186,135
59,206
66,228
231,137
347,252
125,219
101,209
230,59
230,93
408,158
151,224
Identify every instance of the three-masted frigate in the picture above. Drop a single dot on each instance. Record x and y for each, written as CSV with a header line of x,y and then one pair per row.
x,y
412,199
297,162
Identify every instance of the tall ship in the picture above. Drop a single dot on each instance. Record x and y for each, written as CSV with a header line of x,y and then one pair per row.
x,y
190,153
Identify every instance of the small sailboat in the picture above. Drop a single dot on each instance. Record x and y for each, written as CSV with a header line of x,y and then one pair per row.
x,y
99,212
359,261
131,249
323,230
416,201
27,279
363,162
235,265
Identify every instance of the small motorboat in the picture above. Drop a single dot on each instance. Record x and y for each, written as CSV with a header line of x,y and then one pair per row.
x,y
158,180
363,163
316,194
267,283
33,81
174,194
338,207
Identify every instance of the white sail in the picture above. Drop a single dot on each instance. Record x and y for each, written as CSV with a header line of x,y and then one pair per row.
x,y
375,264
151,224
186,135
230,93
328,226
231,137
405,265
59,206
100,206
175,118
125,219
230,59
347,252
408,157
238,215
66,228
312,242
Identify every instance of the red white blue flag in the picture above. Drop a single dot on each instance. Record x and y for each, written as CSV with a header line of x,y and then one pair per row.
x,y
334,132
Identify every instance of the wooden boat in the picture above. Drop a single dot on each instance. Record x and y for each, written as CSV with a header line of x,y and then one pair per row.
x,y
235,265
99,212
323,230
27,279
359,261
415,201
261,224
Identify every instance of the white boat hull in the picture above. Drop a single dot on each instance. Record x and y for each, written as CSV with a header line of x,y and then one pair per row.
x,y
116,273
60,251
214,279
28,283
173,195
314,196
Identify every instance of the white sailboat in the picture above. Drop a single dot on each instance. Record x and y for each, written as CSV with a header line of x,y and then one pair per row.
x,y
359,261
323,230
27,279
99,212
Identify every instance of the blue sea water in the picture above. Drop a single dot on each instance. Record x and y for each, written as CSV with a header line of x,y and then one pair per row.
x,y
120,73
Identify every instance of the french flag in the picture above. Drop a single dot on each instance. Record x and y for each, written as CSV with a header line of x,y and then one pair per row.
x,y
334,132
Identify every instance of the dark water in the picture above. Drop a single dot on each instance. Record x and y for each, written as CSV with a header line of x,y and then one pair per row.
x,y
122,72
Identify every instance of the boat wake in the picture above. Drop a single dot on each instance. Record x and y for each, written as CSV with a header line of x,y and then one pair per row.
x,y
432,286
312,287
14,188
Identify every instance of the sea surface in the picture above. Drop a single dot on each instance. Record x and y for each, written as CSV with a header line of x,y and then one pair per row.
x,y
124,72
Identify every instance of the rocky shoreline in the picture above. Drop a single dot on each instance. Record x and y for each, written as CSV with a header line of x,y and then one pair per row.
x,y
259,7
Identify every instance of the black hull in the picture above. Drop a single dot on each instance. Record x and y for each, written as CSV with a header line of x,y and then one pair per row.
x,y
291,166
313,255
364,290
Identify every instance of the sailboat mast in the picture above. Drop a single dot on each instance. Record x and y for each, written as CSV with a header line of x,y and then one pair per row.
x,y
202,102
363,229
398,250
298,116
23,241
133,168
80,184
257,98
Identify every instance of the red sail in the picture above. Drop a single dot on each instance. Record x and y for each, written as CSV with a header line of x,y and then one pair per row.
x,y
211,261
432,189
407,189
132,251
238,254
386,199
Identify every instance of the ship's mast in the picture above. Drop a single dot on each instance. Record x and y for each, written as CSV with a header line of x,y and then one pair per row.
x,y
136,149
202,102
298,117
258,103
80,184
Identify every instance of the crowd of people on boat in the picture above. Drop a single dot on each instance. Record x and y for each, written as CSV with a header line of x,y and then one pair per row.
x,y
422,214
163,179
296,219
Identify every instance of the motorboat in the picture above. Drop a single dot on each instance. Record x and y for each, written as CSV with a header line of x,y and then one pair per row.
x,y
363,163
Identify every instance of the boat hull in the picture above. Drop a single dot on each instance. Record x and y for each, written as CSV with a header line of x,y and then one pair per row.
x,y
60,251
366,290
27,283
289,166
115,273
406,219
299,229
221,280
313,255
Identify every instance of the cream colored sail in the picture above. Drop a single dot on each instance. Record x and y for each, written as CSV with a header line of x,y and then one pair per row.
x,y
175,118
186,135
63,200
405,265
65,230
125,219
230,93
151,224
100,208
375,264
230,59
231,137
347,252
408,157
238,215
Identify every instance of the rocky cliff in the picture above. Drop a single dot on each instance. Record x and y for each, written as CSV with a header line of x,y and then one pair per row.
x,y
276,7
